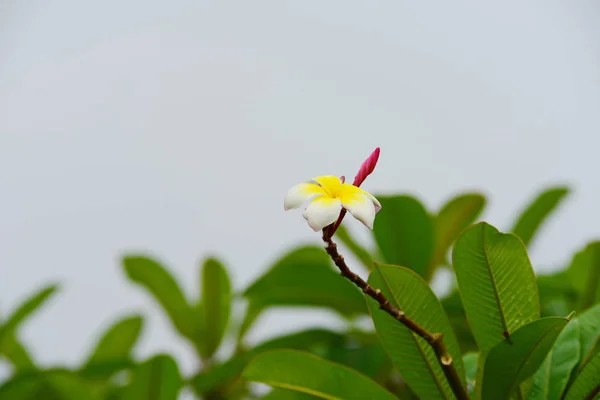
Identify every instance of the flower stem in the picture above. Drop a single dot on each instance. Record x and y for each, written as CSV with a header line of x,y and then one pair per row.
x,y
435,340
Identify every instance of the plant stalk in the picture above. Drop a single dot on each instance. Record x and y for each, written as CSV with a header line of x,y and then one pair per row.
x,y
435,340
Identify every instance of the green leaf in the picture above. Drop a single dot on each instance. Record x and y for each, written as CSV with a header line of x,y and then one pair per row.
x,y
26,309
216,301
411,354
14,351
532,218
558,295
362,254
470,361
283,394
587,383
584,275
10,347
404,233
589,336
304,277
456,313
158,378
454,217
496,282
306,373
253,310
221,374
113,348
360,351
513,361
59,384
550,381
161,284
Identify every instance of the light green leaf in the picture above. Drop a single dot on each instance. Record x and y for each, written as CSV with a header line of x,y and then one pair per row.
x,y
587,384
10,347
163,287
220,375
216,301
304,277
470,361
532,218
513,361
455,216
306,373
360,252
14,351
158,378
253,310
411,354
114,348
59,384
584,275
496,282
550,381
404,233
589,336
26,309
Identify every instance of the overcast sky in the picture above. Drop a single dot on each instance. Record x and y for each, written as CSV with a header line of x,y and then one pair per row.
x,y
176,130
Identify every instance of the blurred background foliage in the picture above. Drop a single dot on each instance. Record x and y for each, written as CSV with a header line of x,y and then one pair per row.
x,y
406,233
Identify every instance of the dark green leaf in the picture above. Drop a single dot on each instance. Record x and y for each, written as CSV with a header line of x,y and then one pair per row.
x,y
456,313
360,351
404,233
306,373
454,217
161,284
412,355
587,382
496,283
220,375
360,252
304,277
113,348
26,309
283,394
550,381
558,295
55,384
158,379
216,301
536,213
513,361
470,360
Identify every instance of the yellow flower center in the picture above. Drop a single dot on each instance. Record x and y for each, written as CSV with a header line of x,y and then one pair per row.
x,y
332,186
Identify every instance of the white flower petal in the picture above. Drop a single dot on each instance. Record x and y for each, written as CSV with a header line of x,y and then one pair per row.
x,y
300,194
376,202
361,207
322,211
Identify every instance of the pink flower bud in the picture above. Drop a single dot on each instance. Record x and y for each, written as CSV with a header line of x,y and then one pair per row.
x,y
367,167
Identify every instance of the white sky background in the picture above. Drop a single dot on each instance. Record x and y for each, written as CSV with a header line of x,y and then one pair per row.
x,y
177,129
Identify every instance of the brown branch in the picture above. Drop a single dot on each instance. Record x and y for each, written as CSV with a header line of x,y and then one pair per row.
x,y
435,340
593,393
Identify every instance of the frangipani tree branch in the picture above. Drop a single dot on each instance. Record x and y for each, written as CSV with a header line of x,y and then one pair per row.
x,y
435,340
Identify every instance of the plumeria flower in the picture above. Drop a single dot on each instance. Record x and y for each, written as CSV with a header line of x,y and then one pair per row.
x,y
328,196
